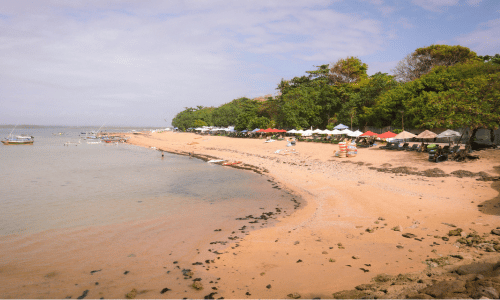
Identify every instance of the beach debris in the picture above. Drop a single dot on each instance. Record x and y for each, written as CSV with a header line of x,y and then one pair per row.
x,y
409,235
324,252
294,295
126,272
187,273
455,232
332,260
299,261
95,271
132,294
449,224
397,228
268,286
355,257
83,295
210,296
197,285
496,231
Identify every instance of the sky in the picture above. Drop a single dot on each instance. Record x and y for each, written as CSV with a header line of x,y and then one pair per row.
x,y
139,63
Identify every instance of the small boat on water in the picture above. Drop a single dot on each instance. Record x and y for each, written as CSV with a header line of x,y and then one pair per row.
x,y
19,140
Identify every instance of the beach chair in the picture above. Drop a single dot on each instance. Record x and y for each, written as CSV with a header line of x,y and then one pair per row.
x,y
395,146
387,146
454,149
404,147
446,149
414,147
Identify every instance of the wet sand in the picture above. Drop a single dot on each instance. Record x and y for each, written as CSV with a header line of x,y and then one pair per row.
x,y
355,218
344,236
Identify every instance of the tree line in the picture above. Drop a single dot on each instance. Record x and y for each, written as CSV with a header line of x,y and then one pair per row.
x,y
436,86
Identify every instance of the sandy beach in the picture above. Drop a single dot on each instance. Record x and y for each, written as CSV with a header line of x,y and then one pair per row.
x,y
356,215
383,224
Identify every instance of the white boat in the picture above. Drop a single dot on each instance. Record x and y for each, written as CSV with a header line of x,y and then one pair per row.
x,y
19,140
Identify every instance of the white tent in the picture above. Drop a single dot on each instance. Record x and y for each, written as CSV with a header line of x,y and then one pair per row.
x,y
308,132
335,132
448,134
292,131
355,133
345,131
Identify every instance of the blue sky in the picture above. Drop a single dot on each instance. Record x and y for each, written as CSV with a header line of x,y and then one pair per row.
x,y
138,63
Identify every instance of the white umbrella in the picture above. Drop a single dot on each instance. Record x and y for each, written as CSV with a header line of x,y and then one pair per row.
x,y
292,131
317,130
346,131
307,132
355,133
335,132
448,134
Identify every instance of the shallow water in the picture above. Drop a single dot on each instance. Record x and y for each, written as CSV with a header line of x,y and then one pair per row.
x,y
68,210
49,185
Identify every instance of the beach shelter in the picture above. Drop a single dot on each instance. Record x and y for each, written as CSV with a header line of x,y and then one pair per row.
x,y
403,135
292,131
244,131
346,131
355,133
369,133
387,135
427,134
448,134
340,127
318,131
308,132
335,132
255,130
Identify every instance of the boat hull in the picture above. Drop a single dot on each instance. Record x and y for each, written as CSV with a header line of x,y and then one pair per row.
x,y
17,142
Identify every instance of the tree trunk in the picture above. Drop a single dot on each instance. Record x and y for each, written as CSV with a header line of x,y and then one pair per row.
x,y
492,135
472,135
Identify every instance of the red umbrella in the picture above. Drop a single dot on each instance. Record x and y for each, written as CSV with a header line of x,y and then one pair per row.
x,y
387,135
369,133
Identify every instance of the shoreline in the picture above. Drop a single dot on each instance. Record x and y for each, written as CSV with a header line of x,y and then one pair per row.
x,y
374,225
345,234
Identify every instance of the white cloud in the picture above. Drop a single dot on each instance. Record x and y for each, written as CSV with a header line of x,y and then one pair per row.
x,y
484,40
474,2
435,5
160,56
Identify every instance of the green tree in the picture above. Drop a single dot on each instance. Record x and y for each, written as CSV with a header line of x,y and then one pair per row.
x,y
422,60
348,70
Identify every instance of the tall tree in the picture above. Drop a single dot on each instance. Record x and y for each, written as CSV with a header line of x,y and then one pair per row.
x,y
348,70
422,60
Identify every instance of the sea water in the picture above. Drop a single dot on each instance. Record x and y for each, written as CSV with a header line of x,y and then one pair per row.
x,y
61,181
69,209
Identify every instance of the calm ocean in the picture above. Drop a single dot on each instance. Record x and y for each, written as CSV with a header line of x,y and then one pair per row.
x,y
52,186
